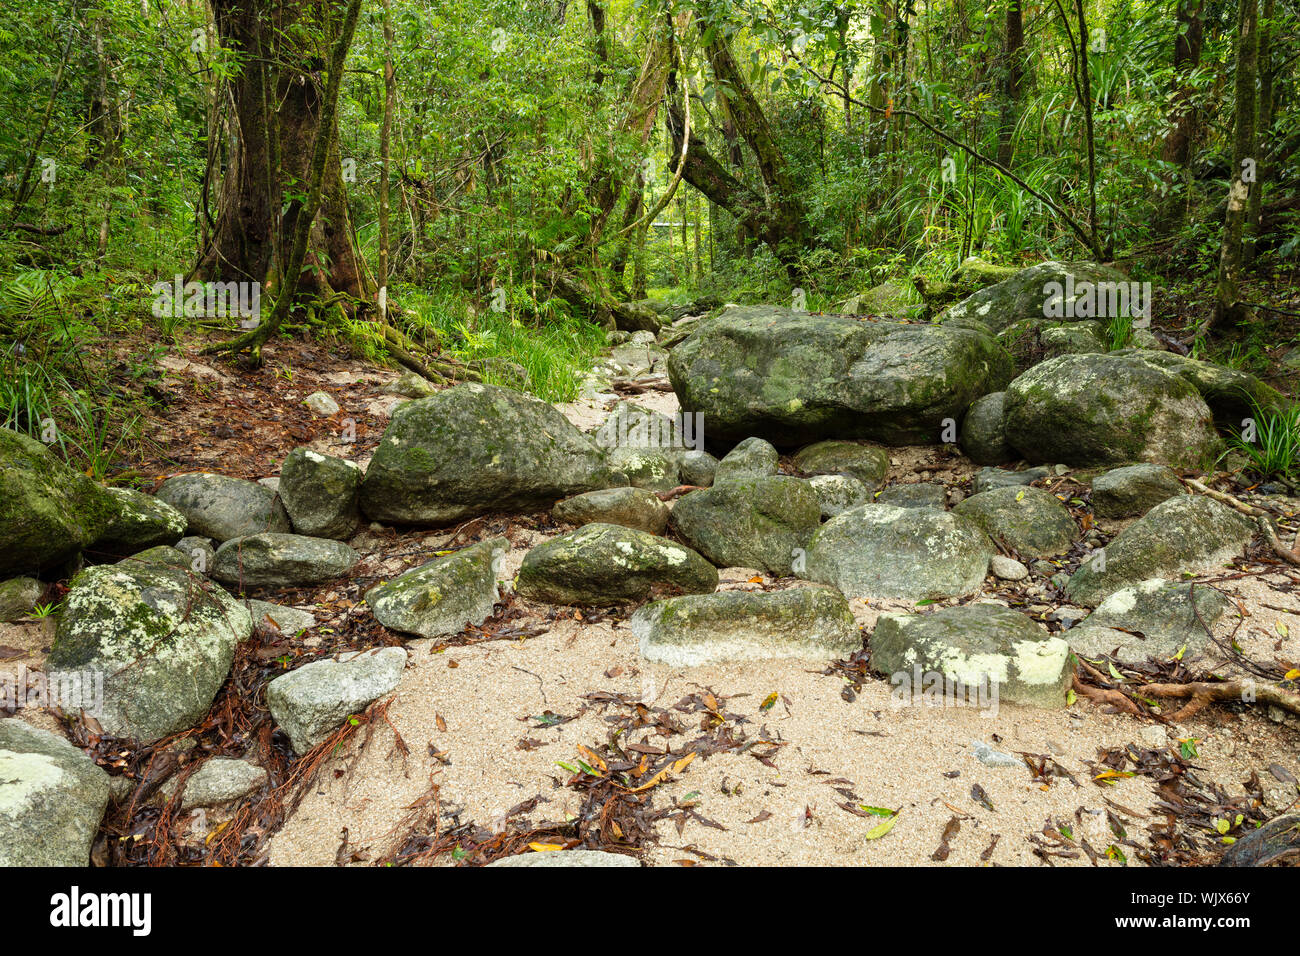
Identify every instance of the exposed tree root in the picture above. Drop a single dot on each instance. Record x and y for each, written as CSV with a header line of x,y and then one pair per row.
x,y
1199,693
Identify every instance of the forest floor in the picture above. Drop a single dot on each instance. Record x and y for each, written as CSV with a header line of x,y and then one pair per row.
x,y
796,761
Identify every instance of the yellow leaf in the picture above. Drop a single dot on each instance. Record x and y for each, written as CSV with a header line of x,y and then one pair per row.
x,y
1282,629
770,702
883,828
593,758
545,847
1292,675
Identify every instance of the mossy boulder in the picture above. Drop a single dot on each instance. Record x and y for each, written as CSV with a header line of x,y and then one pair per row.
x,y
162,638
645,447
879,551
1231,393
1031,341
1154,618
474,449
866,463
604,564
142,522
1087,410
1187,534
48,511
984,433
18,596
221,507
1133,490
983,646
52,798
838,493
630,507
443,596
986,479
758,522
916,494
791,377
806,623
281,561
753,456
320,494
1029,294
1030,521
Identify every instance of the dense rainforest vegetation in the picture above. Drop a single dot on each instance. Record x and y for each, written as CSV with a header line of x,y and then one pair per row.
x,y
481,188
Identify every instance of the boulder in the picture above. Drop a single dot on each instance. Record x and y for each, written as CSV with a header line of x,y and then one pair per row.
x,y
1030,521
199,551
986,479
698,468
630,507
753,456
410,385
836,494
1231,394
320,494
919,494
646,447
1154,618
48,511
222,508
220,780
791,377
1190,533
142,522
312,702
983,434
162,638
758,522
806,623
879,551
18,596
52,798
281,561
1088,410
1032,293
288,620
440,598
1031,341
1133,490
979,645
603,564
473,449
866,463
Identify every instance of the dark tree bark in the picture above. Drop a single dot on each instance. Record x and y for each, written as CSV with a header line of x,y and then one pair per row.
x,y
1189,37
1012,80
1227,306
278,106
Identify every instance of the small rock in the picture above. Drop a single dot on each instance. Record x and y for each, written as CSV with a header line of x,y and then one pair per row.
x,y
219,781
630,507
1029,521
750,521
410,385
803,623
322,404
18,596
222,508
281,561
983,437
921,494
838,493
441,597
312,702
698,468
986,479
867,463
604,564
1124,492
289,620
994,758
566,858
199,551
753,456
1007,569
320,494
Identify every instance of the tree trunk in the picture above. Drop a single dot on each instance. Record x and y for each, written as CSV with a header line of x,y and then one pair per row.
x,y
1227,307
278,106
385,157
1015,71
1189,36
1264,125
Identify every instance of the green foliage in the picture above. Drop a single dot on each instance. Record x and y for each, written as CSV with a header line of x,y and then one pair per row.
x,y
1275,451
